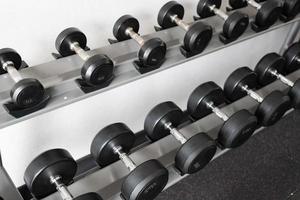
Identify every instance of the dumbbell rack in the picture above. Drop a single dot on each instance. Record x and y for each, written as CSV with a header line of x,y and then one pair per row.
x,y
109,179
59,77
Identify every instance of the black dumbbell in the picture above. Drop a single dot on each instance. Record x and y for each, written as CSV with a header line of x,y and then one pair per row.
x,y
292,56
146,180
152,51
198,35
51,171
290,8
237,128
96,69
267,12
271,108
235,24
270,68
194,153
26,92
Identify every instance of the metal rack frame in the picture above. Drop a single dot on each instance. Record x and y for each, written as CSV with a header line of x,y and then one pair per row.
x,y
59,75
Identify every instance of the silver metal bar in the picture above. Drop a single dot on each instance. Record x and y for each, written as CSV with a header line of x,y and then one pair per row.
x,y
61,188
180,22
135,36
254,4
125,158
12,71
281,78
217,111
218,12
252,93
175,133
81,52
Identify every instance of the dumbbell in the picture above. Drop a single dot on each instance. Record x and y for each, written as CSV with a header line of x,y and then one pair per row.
x,y
144,181
26,92
242,82
236,129
235,24
270,68
267,12
51,171
292,56
96,69
194,153
290,9
198,34
152,51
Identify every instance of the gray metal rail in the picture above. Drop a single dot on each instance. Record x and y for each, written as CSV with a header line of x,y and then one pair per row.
x,y
59,75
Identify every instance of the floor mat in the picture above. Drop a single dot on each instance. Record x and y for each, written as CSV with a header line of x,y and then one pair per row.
x,y
267,167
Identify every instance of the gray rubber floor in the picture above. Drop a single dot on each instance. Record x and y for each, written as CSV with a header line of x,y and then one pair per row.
x,y
267,167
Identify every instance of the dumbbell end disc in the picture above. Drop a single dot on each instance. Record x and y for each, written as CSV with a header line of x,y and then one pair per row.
x,y
195,154
27,93
291,8
237,129
122,24
165,112
292,56
97,70
55,162
294,93
236,4
271,61
8,54
273,107
145,182
241,76
89,196
65,39
268,14
153,52
167,11
113,135
203,8
197,37
235,25
203,94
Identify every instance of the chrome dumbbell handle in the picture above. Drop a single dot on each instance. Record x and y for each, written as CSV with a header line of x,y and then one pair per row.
x,y
281,78
81,52
218,12
61,188
254,4
217,111
125,158
129,31
12,71
175,133
252,94
180,22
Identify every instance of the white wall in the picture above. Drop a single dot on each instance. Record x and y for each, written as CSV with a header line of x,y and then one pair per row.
x,y
31,26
